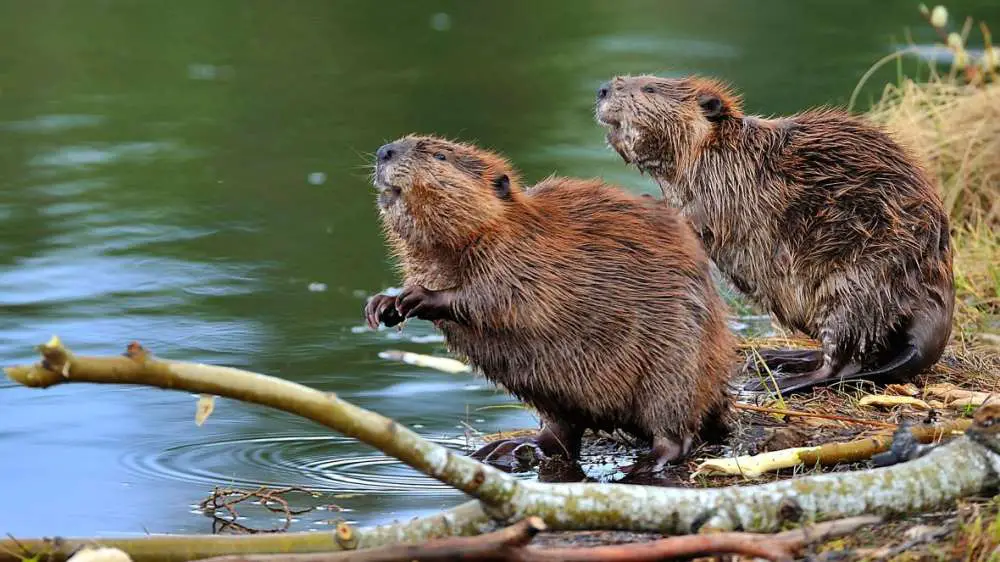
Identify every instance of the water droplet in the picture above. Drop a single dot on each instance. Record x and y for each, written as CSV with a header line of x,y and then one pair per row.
x,y
317,287
418,426
317,178
201,72
441,22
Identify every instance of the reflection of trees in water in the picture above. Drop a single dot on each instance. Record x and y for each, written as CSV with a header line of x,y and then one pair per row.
x,y
271,93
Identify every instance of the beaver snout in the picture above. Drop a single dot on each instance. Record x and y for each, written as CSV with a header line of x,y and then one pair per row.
x,y
608,110
603,90
386,158
394,150
387,152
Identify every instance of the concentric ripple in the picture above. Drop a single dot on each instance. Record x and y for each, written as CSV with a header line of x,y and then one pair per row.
x,y
320,463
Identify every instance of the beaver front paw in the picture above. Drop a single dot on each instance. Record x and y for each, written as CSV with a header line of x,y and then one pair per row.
x,y
382,308
425,304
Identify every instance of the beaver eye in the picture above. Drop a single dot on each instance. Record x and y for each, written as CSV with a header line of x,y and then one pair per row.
x,y
649,89
439,155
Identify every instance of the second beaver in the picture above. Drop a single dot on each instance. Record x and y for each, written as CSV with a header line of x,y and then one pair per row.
x,y
594,306
820,217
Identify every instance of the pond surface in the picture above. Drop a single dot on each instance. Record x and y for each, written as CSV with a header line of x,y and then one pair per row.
x,y
192,175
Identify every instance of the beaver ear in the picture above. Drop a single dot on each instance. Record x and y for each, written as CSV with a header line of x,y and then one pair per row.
x,y
502,186
712,106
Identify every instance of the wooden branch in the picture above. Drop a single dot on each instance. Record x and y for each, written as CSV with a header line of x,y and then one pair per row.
x,y
780,546
510,544
498,545
968,465
753,466
466,519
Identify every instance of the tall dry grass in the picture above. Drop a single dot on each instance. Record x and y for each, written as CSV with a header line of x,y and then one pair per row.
x,y
954,129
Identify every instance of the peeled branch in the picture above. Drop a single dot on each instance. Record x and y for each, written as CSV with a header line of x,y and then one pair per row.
x,y
966,466
753,466
892,401
955,397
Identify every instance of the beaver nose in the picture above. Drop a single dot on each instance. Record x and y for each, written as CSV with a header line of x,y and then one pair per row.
x,y
386,152
604,90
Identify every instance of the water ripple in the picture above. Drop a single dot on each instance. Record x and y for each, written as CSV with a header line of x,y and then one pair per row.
x,y
320,463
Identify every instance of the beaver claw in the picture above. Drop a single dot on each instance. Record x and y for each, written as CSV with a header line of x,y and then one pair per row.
x,y
382,308
425,304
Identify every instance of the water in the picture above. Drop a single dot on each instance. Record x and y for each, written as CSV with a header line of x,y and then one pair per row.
x,y
192,175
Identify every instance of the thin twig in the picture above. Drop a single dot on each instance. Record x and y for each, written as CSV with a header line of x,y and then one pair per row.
x,y
801,414
227,498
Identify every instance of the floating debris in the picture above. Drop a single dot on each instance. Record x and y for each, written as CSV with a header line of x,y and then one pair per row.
x,y
439,363
206,404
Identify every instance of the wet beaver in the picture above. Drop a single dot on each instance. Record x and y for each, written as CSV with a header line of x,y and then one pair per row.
x,y
820,218
594,306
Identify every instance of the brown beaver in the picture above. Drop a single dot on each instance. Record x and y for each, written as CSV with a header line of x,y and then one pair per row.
x,y
594,306
820,218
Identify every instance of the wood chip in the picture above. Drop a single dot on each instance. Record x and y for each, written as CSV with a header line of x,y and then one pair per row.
x,y
892,401
206,403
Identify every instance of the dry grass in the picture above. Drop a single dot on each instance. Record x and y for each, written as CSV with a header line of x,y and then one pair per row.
x,y
954,129
977,282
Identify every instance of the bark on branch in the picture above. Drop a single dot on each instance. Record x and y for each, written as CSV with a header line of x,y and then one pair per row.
x,y
965,466
511,545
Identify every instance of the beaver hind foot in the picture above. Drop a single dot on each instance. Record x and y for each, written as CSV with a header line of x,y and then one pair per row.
x,y
521,453
665,451
511,455
909,351
801,372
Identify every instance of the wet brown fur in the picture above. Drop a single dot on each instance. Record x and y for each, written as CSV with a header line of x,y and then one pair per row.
x,y
820,217
592,305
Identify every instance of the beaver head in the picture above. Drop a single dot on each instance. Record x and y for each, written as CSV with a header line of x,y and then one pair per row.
x,y
434,193
660,124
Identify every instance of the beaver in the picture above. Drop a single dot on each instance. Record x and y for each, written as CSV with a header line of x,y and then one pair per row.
x,y
821,218
592,305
